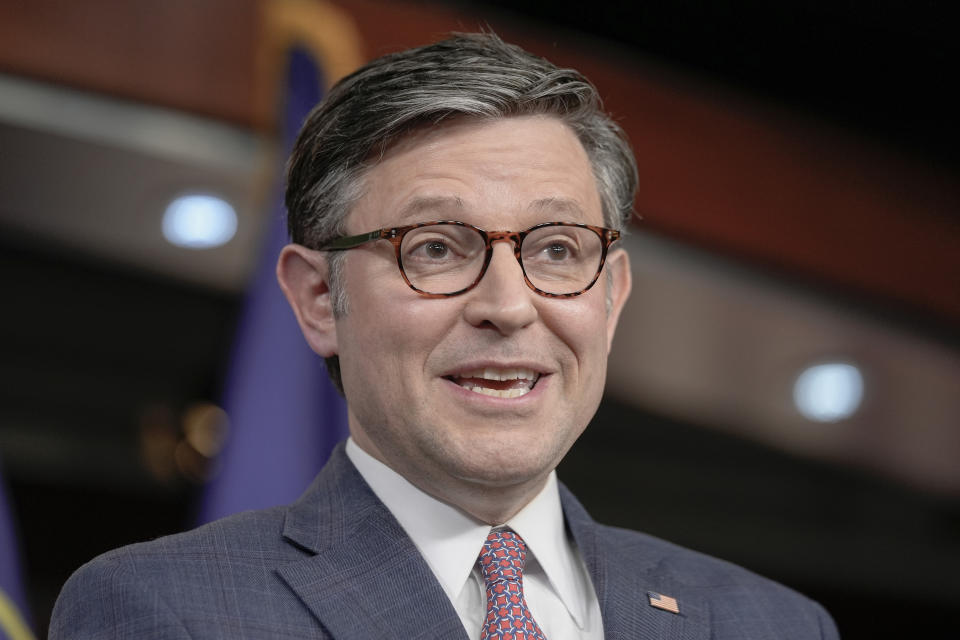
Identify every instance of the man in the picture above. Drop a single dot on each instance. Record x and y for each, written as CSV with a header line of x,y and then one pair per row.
x,y
454,211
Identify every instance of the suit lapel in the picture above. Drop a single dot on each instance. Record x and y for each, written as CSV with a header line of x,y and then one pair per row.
x,y
623,581
365,578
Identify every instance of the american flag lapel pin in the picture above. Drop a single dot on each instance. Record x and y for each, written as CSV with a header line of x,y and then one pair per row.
x,y
661,601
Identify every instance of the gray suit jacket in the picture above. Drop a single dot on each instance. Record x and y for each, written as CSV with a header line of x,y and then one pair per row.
x,y
336,564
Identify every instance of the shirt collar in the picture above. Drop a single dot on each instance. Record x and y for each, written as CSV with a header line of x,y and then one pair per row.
x,y
541,526
450,540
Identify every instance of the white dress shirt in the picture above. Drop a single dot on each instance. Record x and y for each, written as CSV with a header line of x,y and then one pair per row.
x,y
556,584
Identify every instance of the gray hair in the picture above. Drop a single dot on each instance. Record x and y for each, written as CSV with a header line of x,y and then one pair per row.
x,y
468,75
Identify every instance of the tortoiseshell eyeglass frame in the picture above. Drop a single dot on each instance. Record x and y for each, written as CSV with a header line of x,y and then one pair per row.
x,y
395,236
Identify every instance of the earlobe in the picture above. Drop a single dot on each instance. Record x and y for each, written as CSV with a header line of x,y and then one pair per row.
x,y
303,275
618,266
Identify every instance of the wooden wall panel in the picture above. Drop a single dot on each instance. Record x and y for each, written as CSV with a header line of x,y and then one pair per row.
x,y
195,55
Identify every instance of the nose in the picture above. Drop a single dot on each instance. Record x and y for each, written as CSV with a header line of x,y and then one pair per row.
x,y
502,299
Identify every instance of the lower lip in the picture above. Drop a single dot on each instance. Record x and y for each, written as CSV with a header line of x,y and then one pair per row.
x,y
472,396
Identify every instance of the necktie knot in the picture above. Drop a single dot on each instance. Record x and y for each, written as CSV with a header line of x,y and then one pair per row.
x,y
503,557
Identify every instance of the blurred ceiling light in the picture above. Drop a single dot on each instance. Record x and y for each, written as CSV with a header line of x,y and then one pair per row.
x,y
828,392
199,221
205,426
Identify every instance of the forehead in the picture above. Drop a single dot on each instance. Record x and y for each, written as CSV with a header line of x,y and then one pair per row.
x,y
509,171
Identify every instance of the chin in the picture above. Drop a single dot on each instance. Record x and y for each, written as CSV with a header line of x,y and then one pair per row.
x,y
501,468
502,479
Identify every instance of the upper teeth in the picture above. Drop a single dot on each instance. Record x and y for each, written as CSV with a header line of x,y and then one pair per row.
x,y
500,374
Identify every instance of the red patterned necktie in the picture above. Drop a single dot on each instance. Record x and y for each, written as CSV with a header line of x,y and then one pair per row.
x,y
501,562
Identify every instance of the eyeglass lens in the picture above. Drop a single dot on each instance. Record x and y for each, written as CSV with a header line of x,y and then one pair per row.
x,y
446,258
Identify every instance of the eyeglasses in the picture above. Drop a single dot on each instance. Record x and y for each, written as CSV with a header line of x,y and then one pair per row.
x,y
448,257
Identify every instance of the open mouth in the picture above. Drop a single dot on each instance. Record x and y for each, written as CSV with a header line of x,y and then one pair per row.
x,y
499,383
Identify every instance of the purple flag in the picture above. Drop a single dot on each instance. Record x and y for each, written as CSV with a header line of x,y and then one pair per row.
x,y
285,415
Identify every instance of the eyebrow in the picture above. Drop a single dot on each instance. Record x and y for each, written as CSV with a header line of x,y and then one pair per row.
x,y
450,206
559,205
421,204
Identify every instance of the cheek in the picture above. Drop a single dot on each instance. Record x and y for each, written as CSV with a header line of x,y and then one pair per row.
x,y
581,324
396,332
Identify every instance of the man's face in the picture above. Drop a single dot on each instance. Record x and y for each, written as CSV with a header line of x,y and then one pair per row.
x,y
405,358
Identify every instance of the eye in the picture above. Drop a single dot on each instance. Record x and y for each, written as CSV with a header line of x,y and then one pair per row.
x,y
435,246
435,249
557,251
441,246
556,248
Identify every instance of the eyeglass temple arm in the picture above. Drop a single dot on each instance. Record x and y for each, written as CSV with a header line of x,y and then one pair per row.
x,y
349,242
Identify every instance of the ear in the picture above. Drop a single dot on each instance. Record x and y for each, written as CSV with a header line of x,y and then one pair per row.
x,y
618,266
303,275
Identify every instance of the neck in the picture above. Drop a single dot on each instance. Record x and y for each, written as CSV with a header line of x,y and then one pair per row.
x,y
492,505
